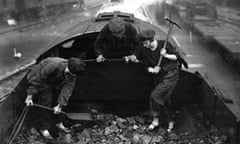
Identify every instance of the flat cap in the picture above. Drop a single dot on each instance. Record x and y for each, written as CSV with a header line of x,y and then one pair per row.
x,y
76,65
146,35
117,26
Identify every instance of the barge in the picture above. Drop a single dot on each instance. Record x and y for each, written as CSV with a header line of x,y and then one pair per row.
x,y
115,86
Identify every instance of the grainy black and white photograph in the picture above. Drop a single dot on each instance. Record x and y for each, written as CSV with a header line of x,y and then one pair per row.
x,y
119,72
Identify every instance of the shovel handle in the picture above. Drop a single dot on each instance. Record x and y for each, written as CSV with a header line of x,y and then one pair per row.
x,y
45,107
73,116
110,60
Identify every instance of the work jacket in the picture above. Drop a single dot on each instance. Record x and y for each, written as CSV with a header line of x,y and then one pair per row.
x,y
150,58
50,72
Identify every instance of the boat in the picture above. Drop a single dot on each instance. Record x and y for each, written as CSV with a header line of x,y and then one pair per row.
x,y
114,86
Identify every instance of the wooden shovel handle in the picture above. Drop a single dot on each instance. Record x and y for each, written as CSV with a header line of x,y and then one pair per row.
x,y
45,107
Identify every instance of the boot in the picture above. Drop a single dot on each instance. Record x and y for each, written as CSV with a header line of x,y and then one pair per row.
x,y
170,126
45,133
62,127
154,124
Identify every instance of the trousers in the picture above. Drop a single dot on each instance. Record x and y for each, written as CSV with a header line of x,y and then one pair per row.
x,y
47,119
164,86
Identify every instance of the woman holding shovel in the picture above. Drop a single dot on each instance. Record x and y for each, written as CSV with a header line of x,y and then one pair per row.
x,y
50,83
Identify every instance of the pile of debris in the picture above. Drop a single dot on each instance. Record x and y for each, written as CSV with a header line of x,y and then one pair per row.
x,y
112,129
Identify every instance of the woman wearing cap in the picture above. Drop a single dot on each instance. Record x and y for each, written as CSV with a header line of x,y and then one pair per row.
x,y
50,83
165,76
117,39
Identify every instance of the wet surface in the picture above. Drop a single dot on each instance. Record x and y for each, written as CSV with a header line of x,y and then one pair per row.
x,y
32,40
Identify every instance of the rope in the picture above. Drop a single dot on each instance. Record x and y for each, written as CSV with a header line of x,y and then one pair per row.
x,y
18,125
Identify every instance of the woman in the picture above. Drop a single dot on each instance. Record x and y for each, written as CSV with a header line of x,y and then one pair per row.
x,y
165,76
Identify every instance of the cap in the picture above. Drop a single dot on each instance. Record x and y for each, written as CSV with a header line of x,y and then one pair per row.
x,y
117,26
76,65
146,35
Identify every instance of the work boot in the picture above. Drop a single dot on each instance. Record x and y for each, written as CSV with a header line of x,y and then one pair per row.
x,y
45,133
154,124
170,126
62,127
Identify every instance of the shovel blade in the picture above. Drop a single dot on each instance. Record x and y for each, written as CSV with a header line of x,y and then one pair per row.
x,y
80,116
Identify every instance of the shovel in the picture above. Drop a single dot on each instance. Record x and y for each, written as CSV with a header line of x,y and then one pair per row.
x,y
73,116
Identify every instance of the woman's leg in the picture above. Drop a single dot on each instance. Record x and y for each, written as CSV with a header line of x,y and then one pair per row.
x,y
45,116
161,94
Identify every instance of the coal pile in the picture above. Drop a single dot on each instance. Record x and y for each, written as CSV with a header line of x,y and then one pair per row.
x,y
113,129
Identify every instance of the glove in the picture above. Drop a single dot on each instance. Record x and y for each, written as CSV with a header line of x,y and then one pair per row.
x,y
126,59
100,58
150,69
133,58
28,100
156,69
163,52
57,109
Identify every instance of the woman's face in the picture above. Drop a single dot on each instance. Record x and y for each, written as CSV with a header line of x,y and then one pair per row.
x,y
146,43
149,44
